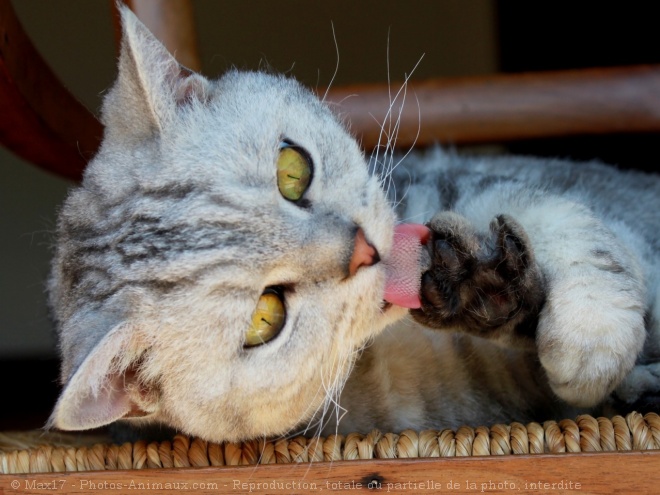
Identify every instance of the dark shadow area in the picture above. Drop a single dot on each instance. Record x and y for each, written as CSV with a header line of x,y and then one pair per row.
x,y
29,389
561,34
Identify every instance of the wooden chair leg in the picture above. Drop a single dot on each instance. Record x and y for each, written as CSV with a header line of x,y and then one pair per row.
x,y
41,121
172,22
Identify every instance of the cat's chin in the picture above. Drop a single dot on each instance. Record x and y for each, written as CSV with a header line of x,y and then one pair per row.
x,y
390,313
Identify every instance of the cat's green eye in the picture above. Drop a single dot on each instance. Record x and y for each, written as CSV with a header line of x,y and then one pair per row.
x,y
267,320
294,172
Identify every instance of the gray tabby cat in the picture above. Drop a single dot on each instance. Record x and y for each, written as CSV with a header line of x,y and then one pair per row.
x,y
222,270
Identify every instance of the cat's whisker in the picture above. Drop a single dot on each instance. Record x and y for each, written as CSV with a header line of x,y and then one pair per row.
x,y
316,418
386,176
332,80
290,69
384,135
314,414
412,146
332,382
387,62
392,133
337,385
389,95
376,151
419,129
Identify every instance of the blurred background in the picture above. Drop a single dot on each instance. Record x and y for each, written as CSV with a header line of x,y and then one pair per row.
x,y
455,37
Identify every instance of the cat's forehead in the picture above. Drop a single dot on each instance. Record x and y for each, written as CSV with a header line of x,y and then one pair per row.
x,y
262,105
258,87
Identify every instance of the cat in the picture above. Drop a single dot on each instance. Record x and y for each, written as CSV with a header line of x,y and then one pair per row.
x,y
232,267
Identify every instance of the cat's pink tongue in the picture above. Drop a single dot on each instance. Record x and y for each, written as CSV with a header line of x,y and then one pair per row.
x,y
404,275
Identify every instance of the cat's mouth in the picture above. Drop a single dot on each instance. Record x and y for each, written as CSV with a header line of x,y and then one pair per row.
x,y
405,265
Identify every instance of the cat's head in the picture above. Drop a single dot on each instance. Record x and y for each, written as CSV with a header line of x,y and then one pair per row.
x,y
216,215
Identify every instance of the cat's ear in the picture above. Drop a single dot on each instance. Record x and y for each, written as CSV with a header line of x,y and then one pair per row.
x,y
151,84
106,387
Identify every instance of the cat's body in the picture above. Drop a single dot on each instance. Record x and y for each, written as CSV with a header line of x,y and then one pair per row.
x,y
466,379
214,208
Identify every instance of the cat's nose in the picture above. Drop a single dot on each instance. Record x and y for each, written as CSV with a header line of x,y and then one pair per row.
x,y
364,254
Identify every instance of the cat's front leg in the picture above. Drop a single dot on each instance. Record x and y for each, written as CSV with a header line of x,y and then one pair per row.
x,y
591,329
640,390
578,293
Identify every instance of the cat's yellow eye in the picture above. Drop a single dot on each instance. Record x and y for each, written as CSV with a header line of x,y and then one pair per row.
x,y
267,320
294,172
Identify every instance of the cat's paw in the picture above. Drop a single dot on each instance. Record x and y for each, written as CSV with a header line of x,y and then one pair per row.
x,y
639,391
590,331
484,284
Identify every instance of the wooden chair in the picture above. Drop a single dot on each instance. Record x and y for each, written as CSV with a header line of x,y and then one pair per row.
x,y
44,124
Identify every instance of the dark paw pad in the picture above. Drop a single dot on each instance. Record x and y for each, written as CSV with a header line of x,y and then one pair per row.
x,y
480,283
